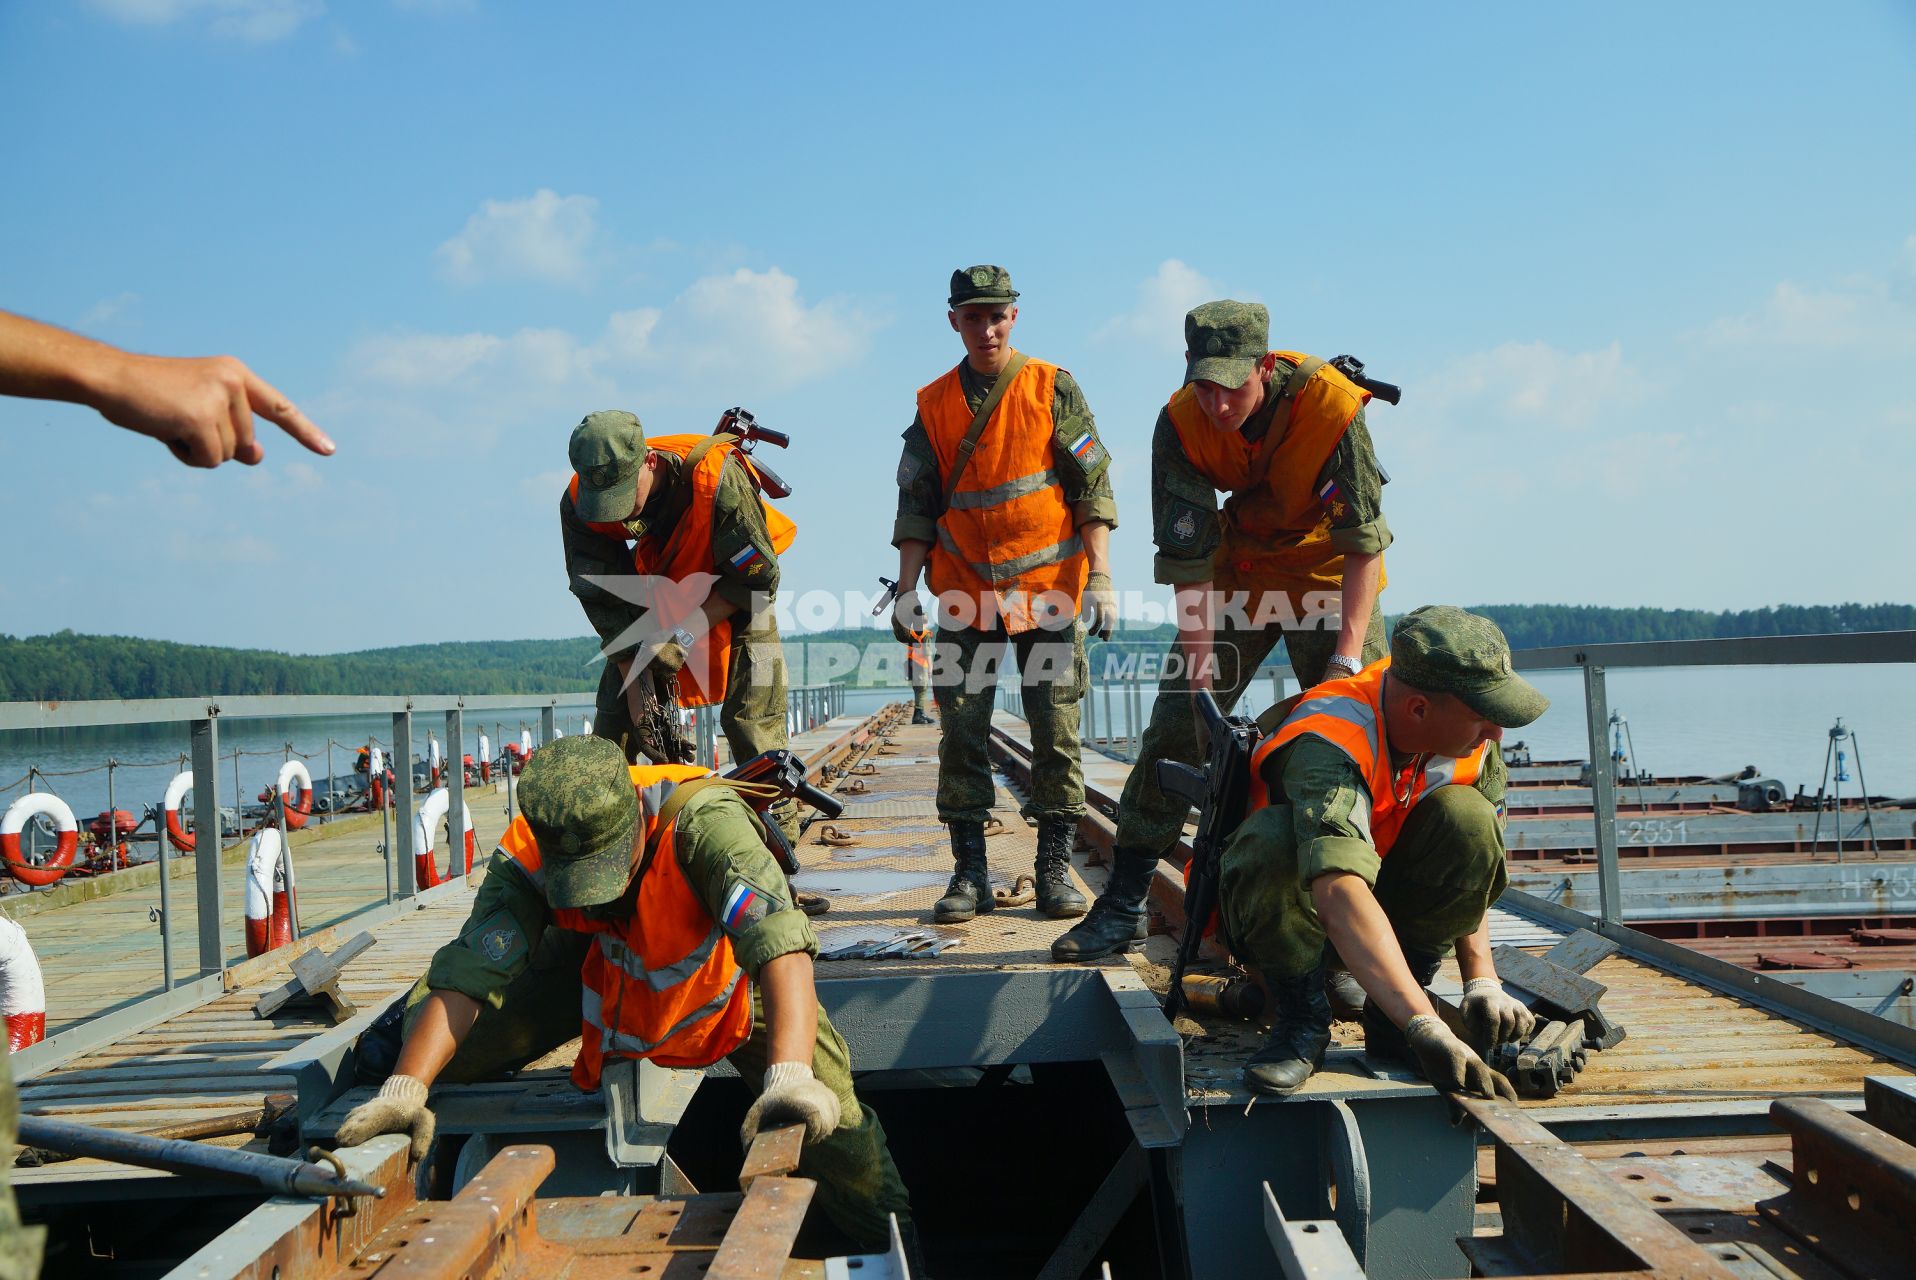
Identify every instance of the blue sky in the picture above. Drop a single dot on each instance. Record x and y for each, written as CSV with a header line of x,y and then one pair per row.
x,y
1647,273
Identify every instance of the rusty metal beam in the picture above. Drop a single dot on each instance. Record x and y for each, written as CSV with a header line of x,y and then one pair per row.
x,y
1852,1194
1562,1214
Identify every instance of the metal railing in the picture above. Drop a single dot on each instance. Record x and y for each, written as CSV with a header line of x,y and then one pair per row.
x,y
1117,703
807,707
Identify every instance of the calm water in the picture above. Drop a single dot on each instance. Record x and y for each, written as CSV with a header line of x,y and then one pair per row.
x,y
150,755
1697,720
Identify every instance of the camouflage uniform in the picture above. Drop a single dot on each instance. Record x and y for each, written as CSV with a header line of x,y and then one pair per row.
x,y
1186,528
1052,664
21,1246
1443,873
753,714
525,973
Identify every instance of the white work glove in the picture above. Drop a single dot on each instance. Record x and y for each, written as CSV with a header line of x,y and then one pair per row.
x,y
1450,1064
1100,606
1493,1015
398,1107
792,1096
908,621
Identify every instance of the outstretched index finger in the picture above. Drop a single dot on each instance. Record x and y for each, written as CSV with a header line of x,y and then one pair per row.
x,y
272,404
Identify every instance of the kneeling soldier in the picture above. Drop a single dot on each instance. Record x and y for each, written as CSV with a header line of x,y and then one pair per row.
x,y
638,907
1376,821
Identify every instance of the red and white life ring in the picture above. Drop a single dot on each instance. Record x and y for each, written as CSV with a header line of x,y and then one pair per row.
x,y
432,812
176,793
296,780
23,996
32,805
485,758
269,881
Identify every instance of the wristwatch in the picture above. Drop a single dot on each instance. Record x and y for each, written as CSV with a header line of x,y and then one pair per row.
x,y
1350,666
684,639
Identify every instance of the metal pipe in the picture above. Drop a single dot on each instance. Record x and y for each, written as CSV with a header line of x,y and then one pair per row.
x,y
546,724
405,806
114,817
385,825
456,793
286,858
206,849
275,1173
1603,795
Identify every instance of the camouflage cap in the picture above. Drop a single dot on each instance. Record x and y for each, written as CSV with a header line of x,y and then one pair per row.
x,y
981,284
1223,341
576,795
608,448
1443,649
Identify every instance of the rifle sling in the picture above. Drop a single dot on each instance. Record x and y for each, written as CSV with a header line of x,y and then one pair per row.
x,y
1281,416
680,797
978,421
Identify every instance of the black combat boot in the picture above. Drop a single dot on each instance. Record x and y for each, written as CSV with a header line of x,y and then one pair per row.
x,y
1057,897
1346,993
969,893
1300,1033
1381,1036
919,717
1116,919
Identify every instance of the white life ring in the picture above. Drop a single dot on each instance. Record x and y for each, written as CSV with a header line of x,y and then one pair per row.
x,y
269,913
176,793
377,764
295,779
23,995
588,727
557,733
525,742
485,758
432,812
32,805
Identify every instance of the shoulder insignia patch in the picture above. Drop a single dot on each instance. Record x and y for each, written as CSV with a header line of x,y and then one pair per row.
x,y
496,944
1184,528
908,469
744,907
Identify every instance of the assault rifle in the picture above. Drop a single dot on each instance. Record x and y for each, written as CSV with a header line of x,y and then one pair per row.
x,y
1353,368
1220,790
780,770
743,424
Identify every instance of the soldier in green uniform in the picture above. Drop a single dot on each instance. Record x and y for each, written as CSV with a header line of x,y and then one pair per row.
x,y
622,482
1290,565
1384,834
510,987
1038,468
21,1246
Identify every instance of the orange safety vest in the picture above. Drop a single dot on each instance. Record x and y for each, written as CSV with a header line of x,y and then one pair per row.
x,y
686,549
1348,713
1008,535
1276,526
662,984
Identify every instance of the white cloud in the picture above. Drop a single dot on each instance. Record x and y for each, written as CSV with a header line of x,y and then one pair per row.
x,y
1163,298
751,332
108,310
546,237
1537,384
1861,315
229,547
251,21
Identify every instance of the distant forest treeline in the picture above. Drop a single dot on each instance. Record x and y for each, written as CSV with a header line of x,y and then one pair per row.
x,y
70,666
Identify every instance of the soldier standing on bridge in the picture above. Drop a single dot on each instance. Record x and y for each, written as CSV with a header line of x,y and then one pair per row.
x,y
639,908
1376,820
1283,434
1003,489
681,509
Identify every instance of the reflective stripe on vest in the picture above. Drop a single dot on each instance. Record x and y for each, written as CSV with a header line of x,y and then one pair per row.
x,y
1007,537
685,550
662,983
1348,714
1275,529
